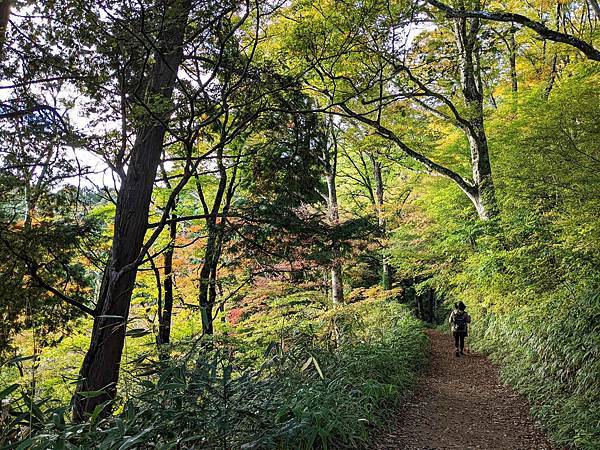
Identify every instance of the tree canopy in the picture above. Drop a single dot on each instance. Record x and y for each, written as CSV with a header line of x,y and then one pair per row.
x,y
209,204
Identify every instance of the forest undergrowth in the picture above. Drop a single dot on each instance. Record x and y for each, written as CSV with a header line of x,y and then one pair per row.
x,y
550,352
297,376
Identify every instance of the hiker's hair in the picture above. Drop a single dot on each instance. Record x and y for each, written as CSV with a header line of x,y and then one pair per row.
x,y
455,305
461,306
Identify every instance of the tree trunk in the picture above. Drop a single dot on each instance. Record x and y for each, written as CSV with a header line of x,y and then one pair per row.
x,y
512,49
420,308
554,64
326,283
386,275
596,7
431,306
206,284
337,285
207,290
212,288
165,311
483,193
164,321
100,368
4,17
208,278
386,270
551,77
332,201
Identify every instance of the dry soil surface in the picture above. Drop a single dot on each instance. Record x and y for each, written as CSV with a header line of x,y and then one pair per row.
x,y
460,403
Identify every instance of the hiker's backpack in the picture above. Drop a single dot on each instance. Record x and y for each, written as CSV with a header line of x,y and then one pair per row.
x,y
460,321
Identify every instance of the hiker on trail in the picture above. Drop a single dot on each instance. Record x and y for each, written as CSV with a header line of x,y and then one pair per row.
x,y
459,320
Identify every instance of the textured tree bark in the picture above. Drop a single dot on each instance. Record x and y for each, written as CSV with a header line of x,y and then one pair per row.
x,y
420,307
554,64
431,306
512,49
207,289
596,7
551,77
326,283
337,285
100,368
4,18
483,193
212,288
164,324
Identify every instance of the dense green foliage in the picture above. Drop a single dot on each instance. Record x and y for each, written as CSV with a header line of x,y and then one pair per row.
x,y
531,277
549,352
325,379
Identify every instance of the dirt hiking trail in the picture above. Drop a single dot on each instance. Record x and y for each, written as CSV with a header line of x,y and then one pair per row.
x,y
460,403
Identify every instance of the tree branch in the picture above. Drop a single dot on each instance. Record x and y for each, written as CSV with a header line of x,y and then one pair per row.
x,y
32,268
65,298
587,49
463,184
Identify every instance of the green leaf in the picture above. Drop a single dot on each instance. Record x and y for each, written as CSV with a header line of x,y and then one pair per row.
x,y
98,410
34,408
312,360
120,425
19,359
9,390
26,444
316,363
132,440
137,332
91,394
306,364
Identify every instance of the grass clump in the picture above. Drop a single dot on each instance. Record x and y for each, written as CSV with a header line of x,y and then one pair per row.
x,y
550,351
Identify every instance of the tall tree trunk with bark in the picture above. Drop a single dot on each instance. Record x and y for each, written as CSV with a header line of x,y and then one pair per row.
x,y
386,270
207,280
551,77
329,163
166,311
337,285
207,288
554,61
512,50
596,7
4,18
100,368
207,291
483,195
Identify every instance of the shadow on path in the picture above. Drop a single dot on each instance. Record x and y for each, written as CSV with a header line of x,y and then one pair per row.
x,y
460,403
